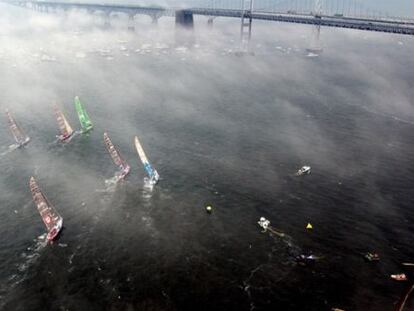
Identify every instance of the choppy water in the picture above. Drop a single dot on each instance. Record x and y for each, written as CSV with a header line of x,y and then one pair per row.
x,y
221,130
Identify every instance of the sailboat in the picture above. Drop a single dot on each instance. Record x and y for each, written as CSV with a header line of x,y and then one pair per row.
x,y
51,218
19,136
117,158
152,173
84,119
65,129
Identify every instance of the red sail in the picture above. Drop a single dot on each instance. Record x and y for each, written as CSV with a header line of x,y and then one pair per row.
x,y
49,215
115,155
17,132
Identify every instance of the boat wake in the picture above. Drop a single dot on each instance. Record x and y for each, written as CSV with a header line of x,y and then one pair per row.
x,y
10,149
58,141
147,189
110,184
283,253
29,257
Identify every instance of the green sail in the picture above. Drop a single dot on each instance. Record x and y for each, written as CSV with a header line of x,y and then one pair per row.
x,y
83,116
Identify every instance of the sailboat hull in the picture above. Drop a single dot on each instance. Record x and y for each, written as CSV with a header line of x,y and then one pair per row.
x,y
123,172
65,138
86,130
25,142
54,232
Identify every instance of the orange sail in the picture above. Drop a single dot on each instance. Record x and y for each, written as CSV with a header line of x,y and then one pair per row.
x,y
65,129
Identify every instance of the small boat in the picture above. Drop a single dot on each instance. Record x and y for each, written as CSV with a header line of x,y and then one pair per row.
x,y
307,259
372,257
399,277
117,158
152,173
84,119
303,170
51,218
19,136
65,129
265,224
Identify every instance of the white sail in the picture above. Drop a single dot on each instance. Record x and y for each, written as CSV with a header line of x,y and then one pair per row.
x,y
152,173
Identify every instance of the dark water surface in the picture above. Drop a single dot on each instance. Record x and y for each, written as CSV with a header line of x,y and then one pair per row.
x,y
222,130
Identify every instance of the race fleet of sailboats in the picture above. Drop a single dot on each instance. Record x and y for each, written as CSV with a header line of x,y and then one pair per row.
x,y
51,218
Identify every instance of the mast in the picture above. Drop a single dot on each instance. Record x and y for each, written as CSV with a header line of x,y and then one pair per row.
x,y
17,132
115,155
64,127
152,173
83,116
48,213
140,151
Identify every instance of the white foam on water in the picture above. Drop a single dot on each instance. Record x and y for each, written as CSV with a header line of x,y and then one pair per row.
x,y
10,149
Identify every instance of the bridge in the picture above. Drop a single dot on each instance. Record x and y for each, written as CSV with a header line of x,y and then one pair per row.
x,y
348,13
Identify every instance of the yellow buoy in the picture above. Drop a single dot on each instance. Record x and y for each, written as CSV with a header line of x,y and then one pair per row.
x,y
209,209
309,226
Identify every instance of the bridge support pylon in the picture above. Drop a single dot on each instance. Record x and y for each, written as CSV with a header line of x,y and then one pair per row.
x,y
184,19
131,22
315,45
107,20
210,22
246,22
154,19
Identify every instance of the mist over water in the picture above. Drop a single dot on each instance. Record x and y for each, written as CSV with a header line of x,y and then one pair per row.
x,y
223,130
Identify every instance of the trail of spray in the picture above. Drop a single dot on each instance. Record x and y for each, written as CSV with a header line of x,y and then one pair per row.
x,y
404,299
10,149
30,256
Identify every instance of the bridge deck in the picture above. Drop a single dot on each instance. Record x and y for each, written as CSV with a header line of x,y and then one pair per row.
x,y
380,25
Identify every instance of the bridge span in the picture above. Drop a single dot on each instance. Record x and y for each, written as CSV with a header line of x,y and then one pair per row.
x,y
184,17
